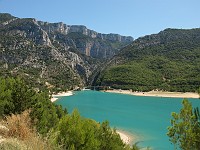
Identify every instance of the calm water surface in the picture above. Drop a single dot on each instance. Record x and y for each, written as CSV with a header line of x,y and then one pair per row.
x,y
145,117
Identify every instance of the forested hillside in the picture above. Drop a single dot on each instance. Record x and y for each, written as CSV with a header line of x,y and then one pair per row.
x,y
169,60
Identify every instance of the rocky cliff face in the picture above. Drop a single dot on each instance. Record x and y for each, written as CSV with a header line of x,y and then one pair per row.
x,y
26,49
87,41
53,53
65,29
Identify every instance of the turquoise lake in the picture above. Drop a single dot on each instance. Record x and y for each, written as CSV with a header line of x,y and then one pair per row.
x,y
145,117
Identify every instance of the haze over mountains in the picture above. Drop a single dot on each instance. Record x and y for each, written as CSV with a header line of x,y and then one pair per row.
x,y
65,56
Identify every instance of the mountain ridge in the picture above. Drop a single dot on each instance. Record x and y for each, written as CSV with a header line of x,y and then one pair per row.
x,y
65,29
89,42
168,61
29,51
52,54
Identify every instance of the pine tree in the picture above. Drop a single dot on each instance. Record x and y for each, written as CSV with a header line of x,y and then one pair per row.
x,y
185,130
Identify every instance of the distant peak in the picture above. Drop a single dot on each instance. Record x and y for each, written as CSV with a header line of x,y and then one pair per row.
x,y
6,17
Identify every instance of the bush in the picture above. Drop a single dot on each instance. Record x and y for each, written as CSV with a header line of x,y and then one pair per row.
x,y
19,133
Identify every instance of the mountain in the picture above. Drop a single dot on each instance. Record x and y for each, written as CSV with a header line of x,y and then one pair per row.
x,y
66,56
87,41
56,54
169,60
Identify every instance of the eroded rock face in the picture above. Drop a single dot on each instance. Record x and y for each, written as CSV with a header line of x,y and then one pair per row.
x,y
87,41
65,29
54,52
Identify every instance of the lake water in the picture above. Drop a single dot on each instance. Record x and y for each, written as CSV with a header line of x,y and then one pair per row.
x,y
145,117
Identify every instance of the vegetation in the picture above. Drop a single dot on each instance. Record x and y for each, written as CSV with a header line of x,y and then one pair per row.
x,y
16,97
32,121
5,17
169,60
19,134
135,77
76,132
185,130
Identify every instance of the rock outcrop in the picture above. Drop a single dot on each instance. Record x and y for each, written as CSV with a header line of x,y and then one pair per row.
x,y
87,41
27,50
65,29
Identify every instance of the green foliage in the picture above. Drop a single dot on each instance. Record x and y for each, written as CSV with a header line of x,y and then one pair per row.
x,y
185,130
109,138
5,17
169,60
135,77
75,132
16,97
64,131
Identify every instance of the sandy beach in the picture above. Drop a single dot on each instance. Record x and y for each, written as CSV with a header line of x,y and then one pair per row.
x,y
158,94
126,138
56,96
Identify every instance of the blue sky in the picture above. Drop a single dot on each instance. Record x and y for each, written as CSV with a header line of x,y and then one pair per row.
x,y
127,17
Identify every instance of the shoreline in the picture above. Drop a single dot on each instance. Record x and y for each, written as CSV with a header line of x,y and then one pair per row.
x,y
55,97
157,94
126,137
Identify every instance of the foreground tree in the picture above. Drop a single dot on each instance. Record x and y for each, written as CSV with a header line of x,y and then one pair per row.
x,y
63,131
185,130
76,132
16,96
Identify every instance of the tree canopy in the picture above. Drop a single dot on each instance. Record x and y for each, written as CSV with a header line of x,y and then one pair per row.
x,y
62,130
185,130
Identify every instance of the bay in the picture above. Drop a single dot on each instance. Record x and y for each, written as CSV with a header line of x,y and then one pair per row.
x,y
146,118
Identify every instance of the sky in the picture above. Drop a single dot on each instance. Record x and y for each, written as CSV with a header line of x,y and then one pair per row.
x,y
134,18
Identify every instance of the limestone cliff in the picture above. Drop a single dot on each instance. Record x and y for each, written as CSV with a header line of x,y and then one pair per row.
x,y
27,50
89,42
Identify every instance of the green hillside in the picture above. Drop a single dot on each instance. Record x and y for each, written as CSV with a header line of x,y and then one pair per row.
x,y
169,60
